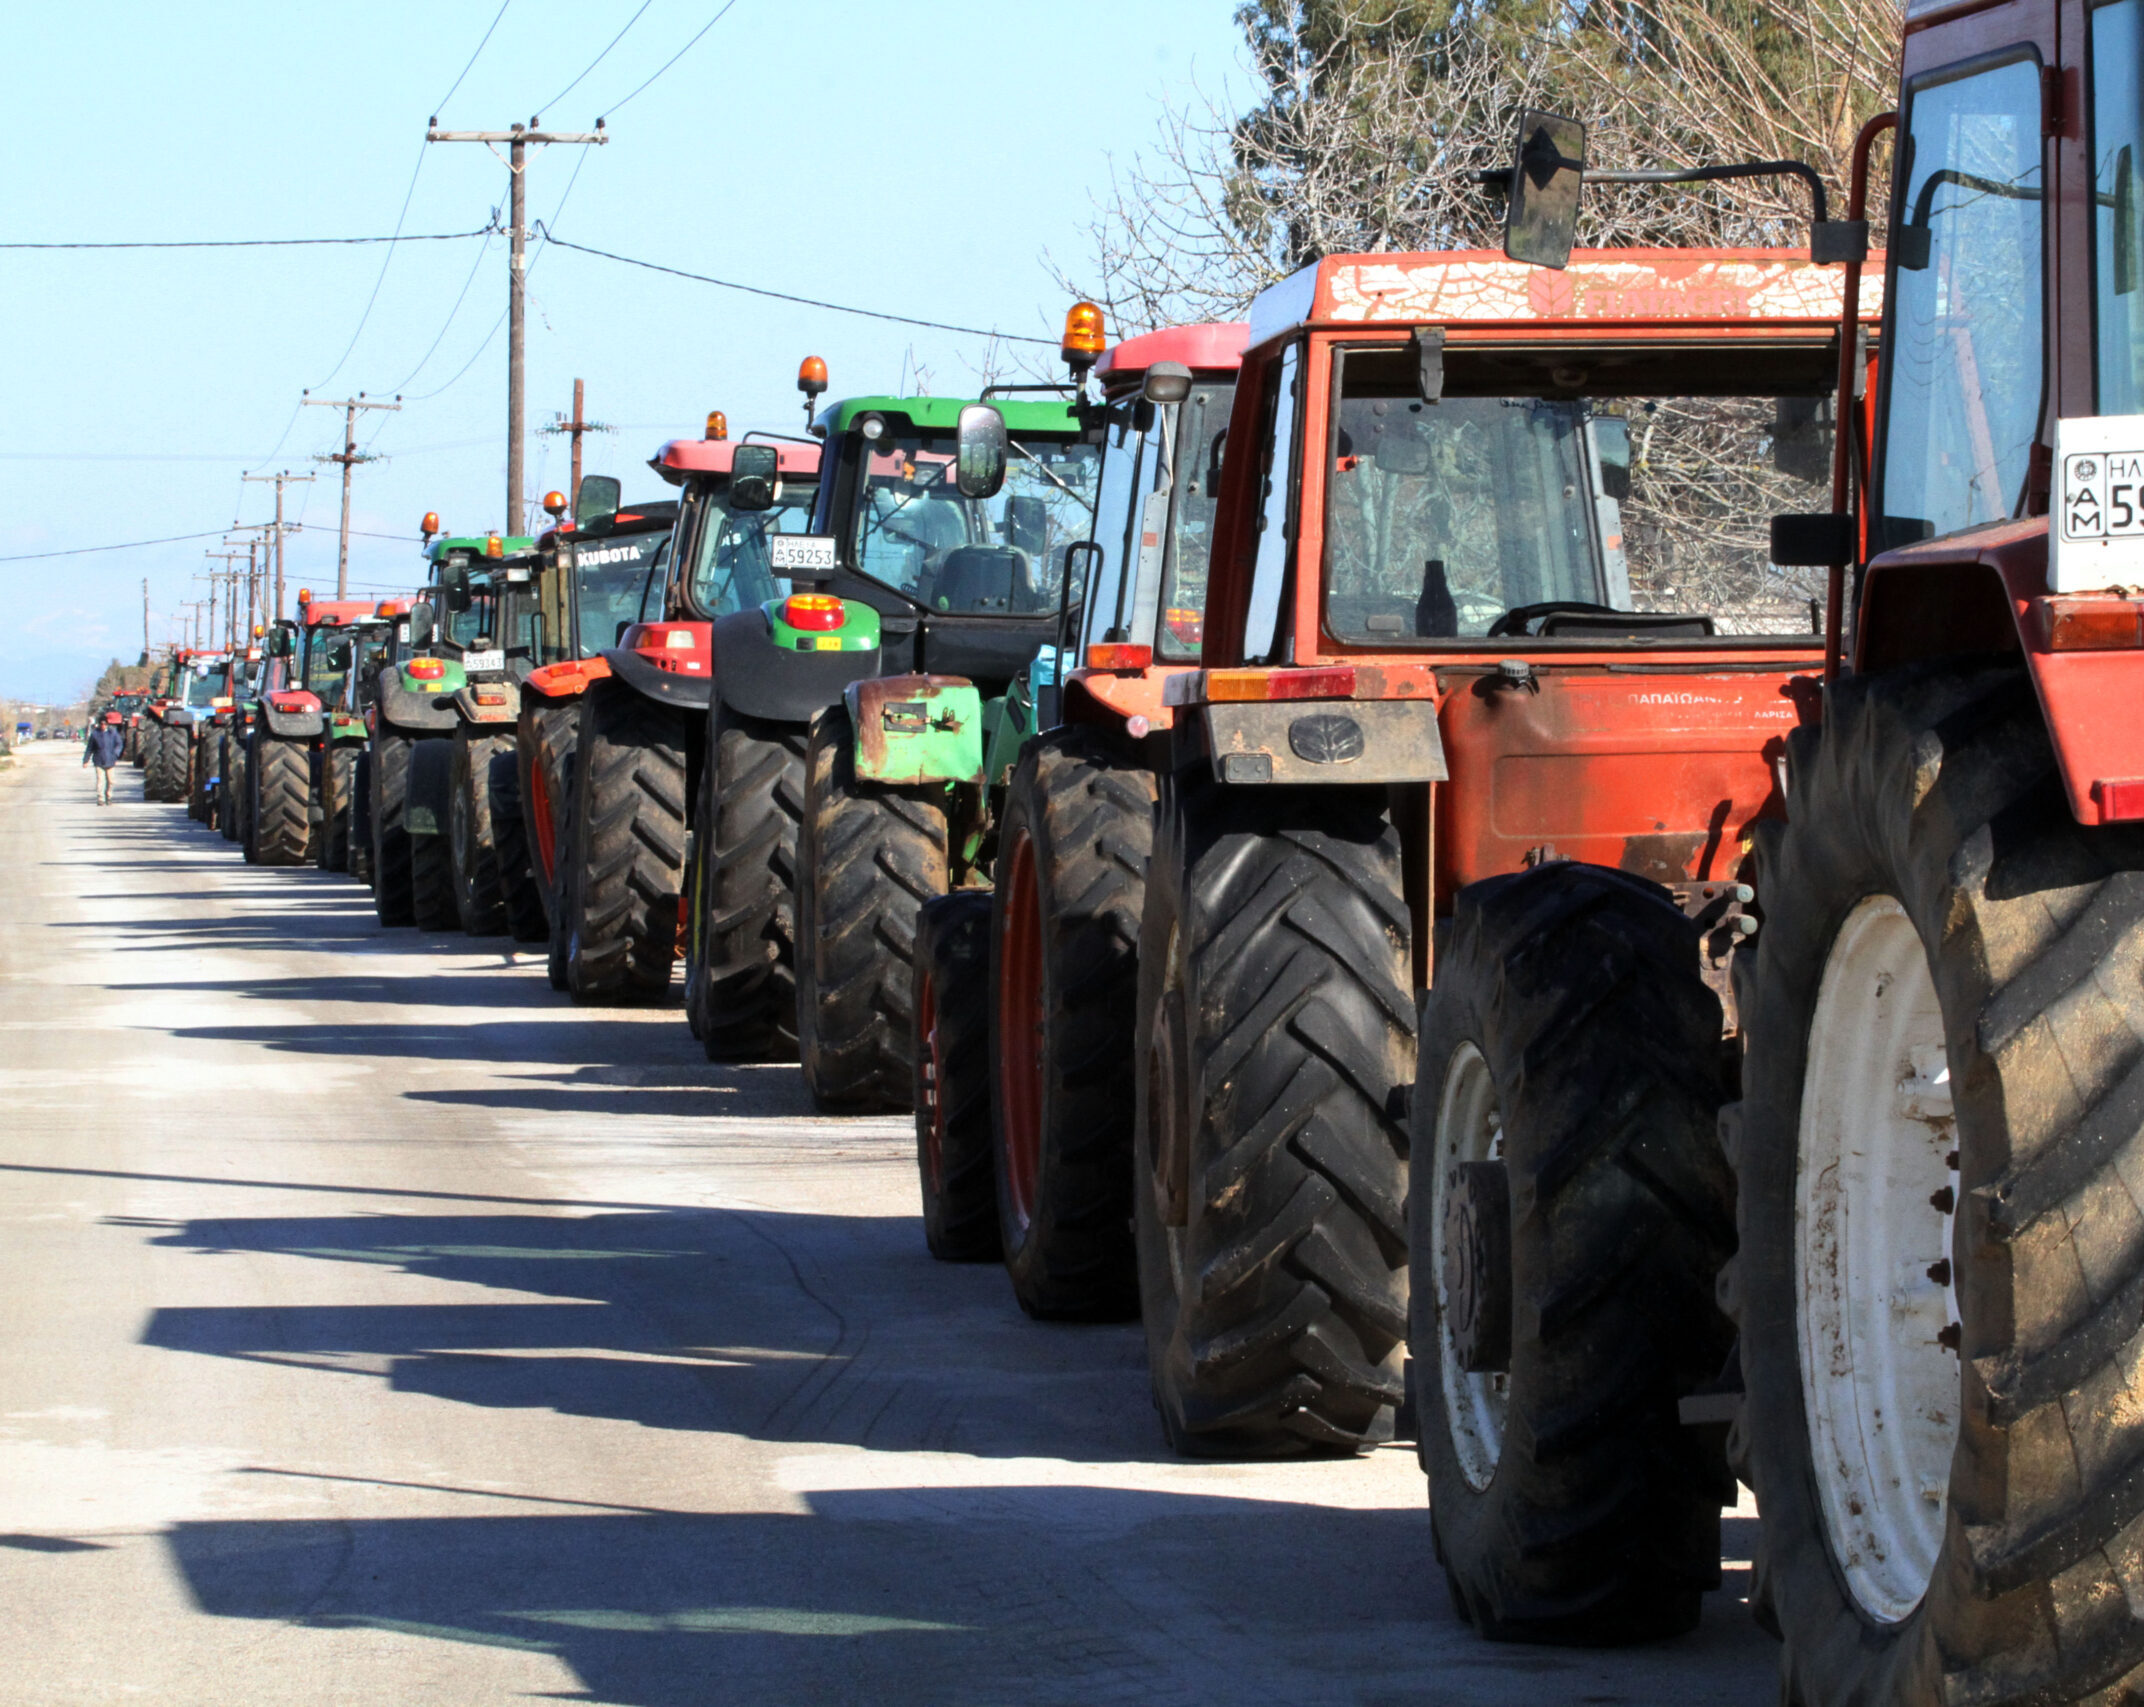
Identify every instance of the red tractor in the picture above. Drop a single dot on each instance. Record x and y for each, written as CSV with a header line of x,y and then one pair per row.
x,y
1938,1252
598,575
1025,993
650,719
1495,680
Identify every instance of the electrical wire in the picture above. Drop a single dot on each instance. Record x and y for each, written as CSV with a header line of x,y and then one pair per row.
x,y
457,83
427,396
785,296
675,57
598,60
272,243
452,314
416,172
128,545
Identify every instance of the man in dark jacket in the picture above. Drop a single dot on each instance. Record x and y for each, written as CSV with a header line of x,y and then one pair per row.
x,y
106,742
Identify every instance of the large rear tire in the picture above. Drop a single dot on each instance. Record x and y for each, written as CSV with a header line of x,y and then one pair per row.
x,y
479,895
954,1148
1941,1255
392,877
1078,831
167,764
509,829
338,782
1269,1192
1569,1215
361,817
868,857
628,847
741,959
282,786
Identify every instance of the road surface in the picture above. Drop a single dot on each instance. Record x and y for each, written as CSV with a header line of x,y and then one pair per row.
x,y
382,1328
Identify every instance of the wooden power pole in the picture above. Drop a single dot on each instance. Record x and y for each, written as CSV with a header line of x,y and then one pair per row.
x,y
349,457
285,478
576,427
518,140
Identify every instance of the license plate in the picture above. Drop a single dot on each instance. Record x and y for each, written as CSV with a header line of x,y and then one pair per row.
x,y
805,553
478,662
2103,495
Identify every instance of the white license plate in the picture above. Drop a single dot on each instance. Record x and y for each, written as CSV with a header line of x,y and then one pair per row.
x,y
478,662
805,553
2103,495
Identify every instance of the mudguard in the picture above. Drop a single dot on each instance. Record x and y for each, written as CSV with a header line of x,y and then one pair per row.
x,y
913,729
754,676
665,687
406,710
177,717
431,777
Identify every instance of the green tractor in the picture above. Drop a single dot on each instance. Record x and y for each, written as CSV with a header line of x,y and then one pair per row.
x,y
945,526
414,718
494,884
302,753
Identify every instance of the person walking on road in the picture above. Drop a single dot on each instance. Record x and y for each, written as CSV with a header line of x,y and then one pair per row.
x,y
106,742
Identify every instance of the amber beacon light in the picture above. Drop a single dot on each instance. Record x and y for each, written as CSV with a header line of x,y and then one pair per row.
x,y
1084,339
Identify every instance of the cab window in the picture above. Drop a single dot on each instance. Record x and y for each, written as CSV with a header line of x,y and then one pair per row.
x,y
2116,59
1965,368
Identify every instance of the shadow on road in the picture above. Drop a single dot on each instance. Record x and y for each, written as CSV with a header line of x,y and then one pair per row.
x,y
782,1327
1037,1594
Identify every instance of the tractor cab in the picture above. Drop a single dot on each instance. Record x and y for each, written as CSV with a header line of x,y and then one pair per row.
x,y
478,613
601,574
965,581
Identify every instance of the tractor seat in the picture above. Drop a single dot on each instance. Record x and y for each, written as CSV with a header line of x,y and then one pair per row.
x,y
982,580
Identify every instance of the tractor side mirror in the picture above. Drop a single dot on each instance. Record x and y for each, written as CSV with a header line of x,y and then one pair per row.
x,y
980,450
755,477
1611,455
597,498
1541,212
454,583
1814,541
418,630
1401,447
1800,427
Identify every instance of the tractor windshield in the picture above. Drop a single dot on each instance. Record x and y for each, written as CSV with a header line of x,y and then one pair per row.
x,y
1001,556
202,686
731,568
1173,463
610,578
321,676
1444,518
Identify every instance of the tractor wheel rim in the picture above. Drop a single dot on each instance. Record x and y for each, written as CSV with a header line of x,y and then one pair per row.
x,y
1470,1128
933,1081
1020,1030
1875,1300
546,832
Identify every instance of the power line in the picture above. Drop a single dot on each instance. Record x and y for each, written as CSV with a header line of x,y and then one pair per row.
x,y
269,242
496,16
129,545
452,314
675,57
785,296
598,60
387,260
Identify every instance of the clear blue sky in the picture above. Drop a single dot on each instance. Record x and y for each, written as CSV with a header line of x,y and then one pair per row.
x,y
914,159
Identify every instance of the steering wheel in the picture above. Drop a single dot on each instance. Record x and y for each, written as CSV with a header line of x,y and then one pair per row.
x,y
1515,620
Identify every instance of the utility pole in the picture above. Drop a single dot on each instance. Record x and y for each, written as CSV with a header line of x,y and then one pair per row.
x,y
577,426
145,619
217,576
518,141
281,480
348,456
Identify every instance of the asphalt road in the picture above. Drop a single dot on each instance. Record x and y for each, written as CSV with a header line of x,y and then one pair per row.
x,y
381,1328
